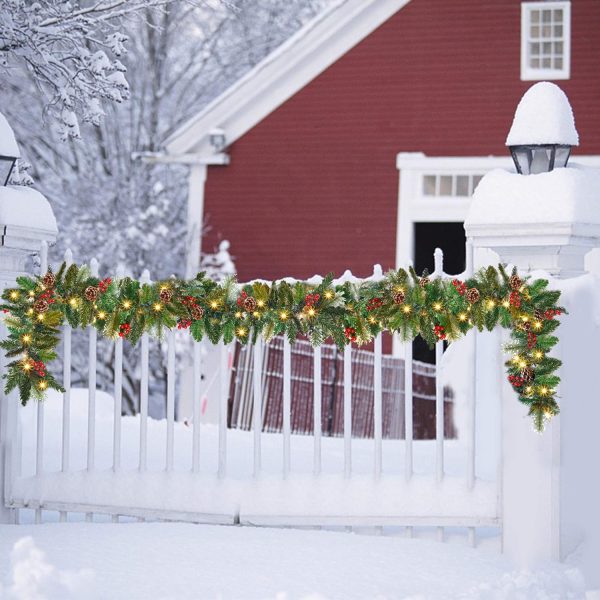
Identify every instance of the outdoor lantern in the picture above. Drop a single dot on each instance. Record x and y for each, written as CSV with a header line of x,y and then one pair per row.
x,y
217,139
9,151
543,130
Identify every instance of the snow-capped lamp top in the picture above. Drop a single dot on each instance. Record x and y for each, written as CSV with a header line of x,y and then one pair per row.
x,y
543,116
8,142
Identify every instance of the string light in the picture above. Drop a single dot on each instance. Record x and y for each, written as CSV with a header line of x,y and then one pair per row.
x,y
329,294
437,306
42,385
126,304
157,307
260,303
505,303
14,295
256,314
283,315
238,315
26,338
311,312
73,302
30,311
406,308
102,315
538,325
462,317
372,320
241,332
522,364
27,366
214,304
544,391
40,317
528,390
490,304
538,354
31,293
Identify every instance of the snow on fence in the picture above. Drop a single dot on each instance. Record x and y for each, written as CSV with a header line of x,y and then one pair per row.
x,y
165,469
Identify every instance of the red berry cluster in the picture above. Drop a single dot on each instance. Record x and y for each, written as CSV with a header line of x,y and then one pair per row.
x,y
103,285
242,297
48,296
440,332
5,310
189,301
515,299
531,339
551,313
374,303
350,333
183,323
460,286
39,367
516,381
311,299
124,330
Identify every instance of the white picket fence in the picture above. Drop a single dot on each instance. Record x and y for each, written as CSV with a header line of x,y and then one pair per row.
x,y
236,477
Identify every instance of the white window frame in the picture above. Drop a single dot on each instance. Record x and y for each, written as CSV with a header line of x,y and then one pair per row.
x,y
529,73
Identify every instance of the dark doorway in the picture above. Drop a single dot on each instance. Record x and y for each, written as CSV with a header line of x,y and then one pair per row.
x,y
450,237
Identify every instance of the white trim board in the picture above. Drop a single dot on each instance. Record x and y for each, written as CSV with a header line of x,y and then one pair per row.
x,y
284,72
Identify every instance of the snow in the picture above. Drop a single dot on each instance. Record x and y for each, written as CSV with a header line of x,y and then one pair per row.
x,y
543,116
25,207
564,195
174,560
8,143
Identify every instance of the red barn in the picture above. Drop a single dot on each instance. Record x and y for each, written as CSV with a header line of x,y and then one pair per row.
x,y
360,140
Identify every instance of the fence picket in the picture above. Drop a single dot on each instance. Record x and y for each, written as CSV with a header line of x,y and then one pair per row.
x,y
438,258
377,404
287,404
257,406
408,409
144,377
170,398
197,400
226,360
118,392
317,422
93,335
347,410
66,413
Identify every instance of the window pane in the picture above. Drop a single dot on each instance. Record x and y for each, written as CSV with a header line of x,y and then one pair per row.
x,y
547,48
446,185
535,32
558,63
534,63
546,63
534,49
558,15
476,180
546,16
546,31
462,185
535,16
558,31
558,48
429,185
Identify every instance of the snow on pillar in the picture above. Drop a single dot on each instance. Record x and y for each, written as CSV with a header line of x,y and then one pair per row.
x,y
26,220
549,221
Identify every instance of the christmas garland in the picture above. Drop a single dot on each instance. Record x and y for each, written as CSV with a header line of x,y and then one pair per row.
x,y
347,312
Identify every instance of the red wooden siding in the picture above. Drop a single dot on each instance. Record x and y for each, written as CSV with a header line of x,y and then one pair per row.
x,y
314,186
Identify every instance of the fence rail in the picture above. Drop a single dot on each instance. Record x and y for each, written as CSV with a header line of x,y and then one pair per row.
x,y
360,460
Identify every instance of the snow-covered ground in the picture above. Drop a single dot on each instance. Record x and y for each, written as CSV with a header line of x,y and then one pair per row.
x,y
179,561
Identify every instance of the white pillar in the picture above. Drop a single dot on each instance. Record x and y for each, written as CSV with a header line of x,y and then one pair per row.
x,y
550,482
195,218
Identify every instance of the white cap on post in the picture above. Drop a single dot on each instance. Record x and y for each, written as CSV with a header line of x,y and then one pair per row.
x,y
541,217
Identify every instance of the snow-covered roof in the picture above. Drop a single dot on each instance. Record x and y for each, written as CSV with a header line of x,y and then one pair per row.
x,y
543,116
284,72
8,143
22,206
566,195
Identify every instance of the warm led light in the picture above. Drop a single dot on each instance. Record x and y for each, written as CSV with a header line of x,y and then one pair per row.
x,y
329,294
437,306
26,338
522,364
529,390
505,303
27,366
30,311
516,359
157,307
127,304
283,315
372,320
525,318
31,293
14,295
538,325
42,385
490,303
261,303
538,355
406,308
241,332
238,315
102,315
73,302
311,312
256,314
163,288
399,289
544,391
462,317
40,317
214,304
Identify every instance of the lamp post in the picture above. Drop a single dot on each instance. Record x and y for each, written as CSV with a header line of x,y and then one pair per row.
x,y
543,130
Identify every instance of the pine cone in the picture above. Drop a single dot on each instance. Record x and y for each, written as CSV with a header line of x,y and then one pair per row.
x,y
197,312
525,326
166,295
539,314
527,374
49,279
424,281
515,282
250,304
473,295
91,293
398,297
41,306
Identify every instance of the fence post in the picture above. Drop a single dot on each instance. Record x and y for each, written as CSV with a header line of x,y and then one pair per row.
x,y
19,242
550,482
